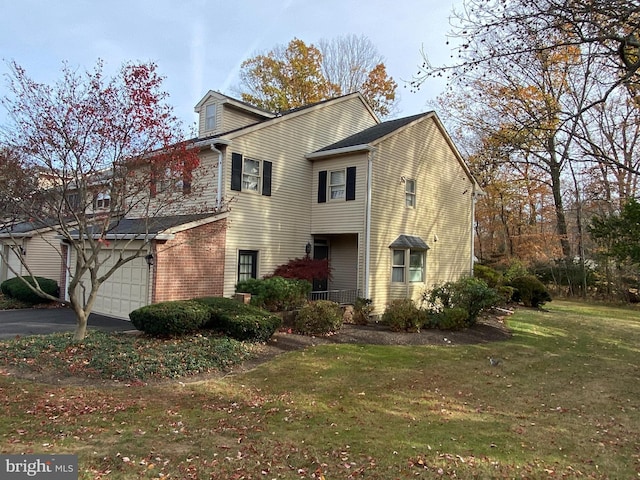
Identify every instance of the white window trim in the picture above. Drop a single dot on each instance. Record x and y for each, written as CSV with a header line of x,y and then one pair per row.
x,y
343,184
210,120
103,201
399,266
258,177
406,265
410,196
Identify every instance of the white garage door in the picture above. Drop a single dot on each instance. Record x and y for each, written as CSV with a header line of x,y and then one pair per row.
x,y
126,290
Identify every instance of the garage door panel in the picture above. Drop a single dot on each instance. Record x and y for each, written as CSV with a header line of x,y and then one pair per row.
x,y
125,291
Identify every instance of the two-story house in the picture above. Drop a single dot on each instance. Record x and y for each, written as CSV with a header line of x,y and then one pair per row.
x,y
389,204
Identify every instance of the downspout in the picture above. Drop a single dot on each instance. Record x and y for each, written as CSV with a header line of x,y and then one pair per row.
x,y
219,194
367,234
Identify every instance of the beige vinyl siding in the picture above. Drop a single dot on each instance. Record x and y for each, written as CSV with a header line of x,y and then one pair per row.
x,y
202,116
279,226
443,209
43,255
203,196
340,216
343,257
233,118
227,117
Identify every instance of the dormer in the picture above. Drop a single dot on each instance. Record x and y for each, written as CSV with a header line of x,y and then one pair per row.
x,y
218,113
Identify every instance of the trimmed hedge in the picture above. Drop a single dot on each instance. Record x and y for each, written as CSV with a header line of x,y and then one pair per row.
x,y
177,317
16,288
403,315
276,294
318,318
470,293
530,291
239,321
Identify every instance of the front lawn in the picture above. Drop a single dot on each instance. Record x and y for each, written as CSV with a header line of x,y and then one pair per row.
x,y
563,403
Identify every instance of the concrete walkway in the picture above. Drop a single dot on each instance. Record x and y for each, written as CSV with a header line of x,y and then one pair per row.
x,y
42,321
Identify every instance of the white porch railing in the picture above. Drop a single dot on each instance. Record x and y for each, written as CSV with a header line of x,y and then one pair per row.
x,y
343,297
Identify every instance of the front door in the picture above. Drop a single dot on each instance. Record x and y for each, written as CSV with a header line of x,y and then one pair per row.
x,y
320,252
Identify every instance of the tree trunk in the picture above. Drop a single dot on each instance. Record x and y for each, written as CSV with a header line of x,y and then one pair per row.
x,y
561,221
81,316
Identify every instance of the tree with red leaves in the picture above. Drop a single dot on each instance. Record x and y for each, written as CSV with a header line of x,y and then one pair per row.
x,y
92,138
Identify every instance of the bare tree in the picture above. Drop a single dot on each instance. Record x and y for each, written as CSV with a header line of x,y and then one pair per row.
x,y
609,28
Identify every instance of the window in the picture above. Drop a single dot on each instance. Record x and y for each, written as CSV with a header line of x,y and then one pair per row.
x,y
337,184
103,201
170,181
410,193
247,264
250,175
73,200
416,266
210,117
398,268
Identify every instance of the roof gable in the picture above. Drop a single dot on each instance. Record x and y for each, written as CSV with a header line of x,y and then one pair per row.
x,y
374,134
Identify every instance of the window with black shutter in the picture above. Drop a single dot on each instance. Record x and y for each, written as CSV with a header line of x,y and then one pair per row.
x,y
250,174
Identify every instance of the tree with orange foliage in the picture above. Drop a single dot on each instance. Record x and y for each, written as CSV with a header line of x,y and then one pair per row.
x,y
300,74
98,145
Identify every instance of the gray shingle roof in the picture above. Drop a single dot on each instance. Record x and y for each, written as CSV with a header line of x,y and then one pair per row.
x,y
151,226
374,133
409,241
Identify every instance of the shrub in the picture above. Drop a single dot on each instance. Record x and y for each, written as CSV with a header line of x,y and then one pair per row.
x,y
491,277
239,321
276,293
455,318
471,294
319,317
177,317
505,292
530,291
362,309
304,269
16,288
403,315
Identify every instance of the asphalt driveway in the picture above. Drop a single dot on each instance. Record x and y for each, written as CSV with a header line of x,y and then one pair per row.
x,y
42,321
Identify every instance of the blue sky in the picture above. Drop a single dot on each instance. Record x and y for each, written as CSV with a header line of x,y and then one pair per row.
x,y
200,44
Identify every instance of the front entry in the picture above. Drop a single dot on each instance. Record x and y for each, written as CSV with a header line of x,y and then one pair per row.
x,y
320,252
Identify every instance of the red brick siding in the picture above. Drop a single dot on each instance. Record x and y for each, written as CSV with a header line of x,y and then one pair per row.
x,y
191,265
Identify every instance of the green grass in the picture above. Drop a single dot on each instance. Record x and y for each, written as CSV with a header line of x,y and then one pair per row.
x,y
563,404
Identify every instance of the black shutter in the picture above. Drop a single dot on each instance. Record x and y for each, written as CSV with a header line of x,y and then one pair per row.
x,y
322,186
266,178
236,171
351,184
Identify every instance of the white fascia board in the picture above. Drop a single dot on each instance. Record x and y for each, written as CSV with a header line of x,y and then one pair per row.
x,y
340,151
212,141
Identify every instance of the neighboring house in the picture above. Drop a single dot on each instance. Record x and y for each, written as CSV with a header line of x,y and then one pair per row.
x,y
32,244
389,204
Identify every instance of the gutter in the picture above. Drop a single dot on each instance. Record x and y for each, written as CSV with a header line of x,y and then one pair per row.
x,y
212,143
339,151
